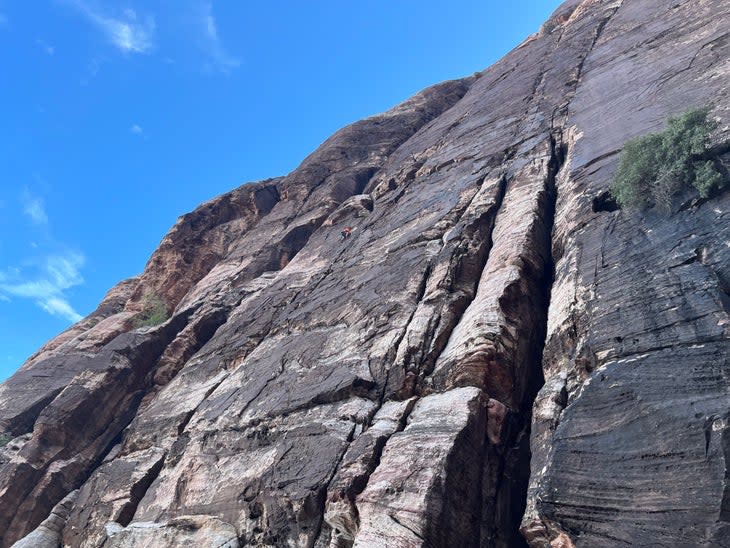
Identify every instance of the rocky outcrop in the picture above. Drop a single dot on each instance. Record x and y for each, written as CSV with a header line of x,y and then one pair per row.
x,y
378,390
181,531
426,489
49,533
628,427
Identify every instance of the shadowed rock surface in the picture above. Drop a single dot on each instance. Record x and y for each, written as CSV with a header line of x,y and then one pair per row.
x,y
496,357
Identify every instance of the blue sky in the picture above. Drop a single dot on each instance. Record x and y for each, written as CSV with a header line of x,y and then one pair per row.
x,y
119,116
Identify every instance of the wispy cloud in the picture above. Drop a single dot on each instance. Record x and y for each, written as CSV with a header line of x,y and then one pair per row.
x,y
33,207
220,59
46,286
128,32
136,129
60,307
44,280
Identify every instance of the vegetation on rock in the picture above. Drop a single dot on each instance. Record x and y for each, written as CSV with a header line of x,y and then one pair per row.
x,y
154,311
654,168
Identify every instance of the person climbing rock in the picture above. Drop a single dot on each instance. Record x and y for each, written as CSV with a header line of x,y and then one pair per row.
x,y
346,232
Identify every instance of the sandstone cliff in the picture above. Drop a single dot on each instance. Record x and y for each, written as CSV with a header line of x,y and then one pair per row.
x,y
496,356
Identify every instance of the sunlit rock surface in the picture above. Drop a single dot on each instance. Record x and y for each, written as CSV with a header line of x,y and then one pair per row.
x,y
494,357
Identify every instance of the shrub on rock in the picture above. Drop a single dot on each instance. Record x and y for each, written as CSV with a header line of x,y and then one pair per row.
x,y
654,168
154,311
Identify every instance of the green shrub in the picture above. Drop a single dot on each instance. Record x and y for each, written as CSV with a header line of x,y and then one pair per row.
x,y
655,167
707,178
154,311
5,439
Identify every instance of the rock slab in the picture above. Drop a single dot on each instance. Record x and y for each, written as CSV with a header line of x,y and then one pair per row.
x,y
493,358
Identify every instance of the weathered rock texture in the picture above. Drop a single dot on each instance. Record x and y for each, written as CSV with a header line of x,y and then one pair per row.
x,y
378,391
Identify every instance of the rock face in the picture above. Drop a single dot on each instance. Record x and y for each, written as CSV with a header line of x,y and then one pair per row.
x,y
495,357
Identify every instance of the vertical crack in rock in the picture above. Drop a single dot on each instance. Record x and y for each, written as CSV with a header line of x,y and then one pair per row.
x,y
339,513
460,283
537,531
560,112
725,504
362,458
507,459
189,415
194,336
447,289
323,493
501,503
457,266
113,492
137,492
425,489
513,458
511,493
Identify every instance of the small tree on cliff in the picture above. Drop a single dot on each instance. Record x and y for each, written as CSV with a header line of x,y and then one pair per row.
x,y
655,167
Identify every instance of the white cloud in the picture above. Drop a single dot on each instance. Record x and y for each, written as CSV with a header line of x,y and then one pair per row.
x,y
136,129
64,270
129,33
33,207
220,58
47,285
60,307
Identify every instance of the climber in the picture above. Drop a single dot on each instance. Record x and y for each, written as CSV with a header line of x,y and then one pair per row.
x,y
346,232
